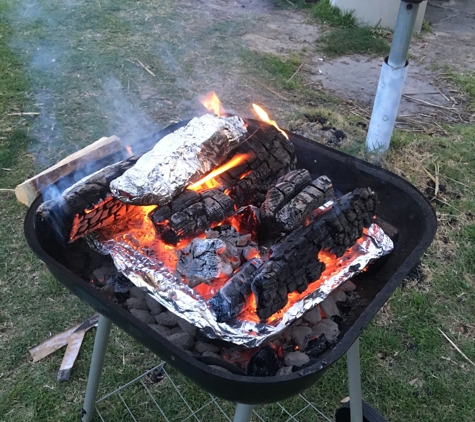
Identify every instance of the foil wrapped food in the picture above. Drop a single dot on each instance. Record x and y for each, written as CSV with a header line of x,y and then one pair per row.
x,y
140,263
179,159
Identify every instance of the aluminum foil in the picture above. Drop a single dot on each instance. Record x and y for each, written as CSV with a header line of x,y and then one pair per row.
x,y
179,159
140,264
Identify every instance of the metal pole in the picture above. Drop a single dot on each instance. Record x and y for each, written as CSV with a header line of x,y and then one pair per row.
x,y
391,80
243,413
354,381
95,369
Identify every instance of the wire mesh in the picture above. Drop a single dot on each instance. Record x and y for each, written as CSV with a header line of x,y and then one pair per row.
x,y
163,394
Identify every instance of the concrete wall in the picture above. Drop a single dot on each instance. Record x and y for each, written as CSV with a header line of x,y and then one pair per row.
x,y
382,12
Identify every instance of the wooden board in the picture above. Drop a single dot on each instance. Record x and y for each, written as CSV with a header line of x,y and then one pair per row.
x,y
27,191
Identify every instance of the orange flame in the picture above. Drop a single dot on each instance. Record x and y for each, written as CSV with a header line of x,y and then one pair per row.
x,y
265,118
129,150
238,159
212,103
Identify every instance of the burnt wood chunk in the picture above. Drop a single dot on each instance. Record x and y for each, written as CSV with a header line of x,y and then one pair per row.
x,y
90,197
286,188
190,214
293,214
294,262
231,298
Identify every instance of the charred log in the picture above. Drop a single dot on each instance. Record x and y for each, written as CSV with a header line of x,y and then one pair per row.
x,y
231,298
294,263
86,205
190,214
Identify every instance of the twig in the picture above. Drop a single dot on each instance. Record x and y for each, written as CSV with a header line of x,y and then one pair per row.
x,y
7,190
441,93
297,71
24,113
456,347
456,181
436,189
145,67
276,93
418,100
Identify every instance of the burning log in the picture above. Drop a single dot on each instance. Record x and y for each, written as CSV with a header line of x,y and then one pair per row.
x,y
179,159
231,298
190,214
294,263
274,156
89,201
216,257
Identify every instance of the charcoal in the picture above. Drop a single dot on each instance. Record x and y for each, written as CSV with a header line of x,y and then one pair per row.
x,y
263,363
190,214
293,263
247,220
231,298
241,245
179,159
327,327
182,340
317,346
296,359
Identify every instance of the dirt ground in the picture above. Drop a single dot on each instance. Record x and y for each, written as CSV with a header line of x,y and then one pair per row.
x,y
355,77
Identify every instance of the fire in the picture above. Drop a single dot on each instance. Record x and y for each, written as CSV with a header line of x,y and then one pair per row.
x,y
212,103
237,160
128,148
265,118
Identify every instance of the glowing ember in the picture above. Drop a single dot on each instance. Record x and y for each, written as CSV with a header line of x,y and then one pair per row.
x,y
237,160
212,103
128,148
265,118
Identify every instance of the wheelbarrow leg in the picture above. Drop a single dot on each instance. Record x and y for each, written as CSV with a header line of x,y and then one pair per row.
x,y
354,381
95,369
243,413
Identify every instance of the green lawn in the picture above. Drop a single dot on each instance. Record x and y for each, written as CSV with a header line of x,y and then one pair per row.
x,y
77,65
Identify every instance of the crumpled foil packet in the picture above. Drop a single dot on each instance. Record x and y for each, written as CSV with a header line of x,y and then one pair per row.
x,y
178,159
145,271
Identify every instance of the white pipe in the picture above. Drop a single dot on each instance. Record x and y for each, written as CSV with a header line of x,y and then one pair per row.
x,y
385,107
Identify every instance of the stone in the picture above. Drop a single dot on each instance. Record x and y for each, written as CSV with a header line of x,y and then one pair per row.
x,y
167,318
348,286
203,347
181,340
210,354
160,329
142,315
136,303
339,295
296,359
327,327
187,327
137,292
301,336
313,316
329,307
285,370
153,305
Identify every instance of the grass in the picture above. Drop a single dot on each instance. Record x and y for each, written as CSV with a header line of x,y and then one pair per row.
x,y
101,43
466,82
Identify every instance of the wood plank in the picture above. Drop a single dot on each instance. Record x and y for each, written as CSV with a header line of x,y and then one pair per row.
x,y
27,191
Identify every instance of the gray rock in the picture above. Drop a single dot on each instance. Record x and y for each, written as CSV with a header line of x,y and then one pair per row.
x,y
210,354
329,307
167,318
296,359
144,316
339,295
181,340
153,305
137,292
136,303
285,370
187,327
348,286
327,327
301,336
203,347
313,316
160,329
